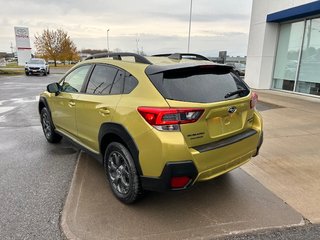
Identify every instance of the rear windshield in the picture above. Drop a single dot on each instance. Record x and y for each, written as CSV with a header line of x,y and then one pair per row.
x,y
203,84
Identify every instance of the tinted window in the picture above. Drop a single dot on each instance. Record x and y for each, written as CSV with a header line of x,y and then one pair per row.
x,y
117,86
129,83
73,81
36,61
101,80
199,84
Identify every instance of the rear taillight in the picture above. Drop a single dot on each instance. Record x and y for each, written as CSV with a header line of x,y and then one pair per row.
x,y
169,119
254,100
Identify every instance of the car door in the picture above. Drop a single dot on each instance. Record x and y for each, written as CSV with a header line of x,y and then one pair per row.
x,y
64,104
98,104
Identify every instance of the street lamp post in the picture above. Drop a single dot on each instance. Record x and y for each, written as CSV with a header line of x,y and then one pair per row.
x,y
108,40
189,26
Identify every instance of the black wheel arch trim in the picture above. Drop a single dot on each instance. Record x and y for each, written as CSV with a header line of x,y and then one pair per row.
x,y
120,131
43,100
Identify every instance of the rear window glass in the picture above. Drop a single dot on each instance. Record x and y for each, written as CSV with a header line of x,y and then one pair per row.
x,y
130,83
199,84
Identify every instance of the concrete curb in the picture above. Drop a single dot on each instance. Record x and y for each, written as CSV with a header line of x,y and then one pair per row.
x,y
66,208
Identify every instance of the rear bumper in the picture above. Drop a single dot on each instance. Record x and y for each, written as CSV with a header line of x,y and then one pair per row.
x,y
259,145
171,169
223,156
208,161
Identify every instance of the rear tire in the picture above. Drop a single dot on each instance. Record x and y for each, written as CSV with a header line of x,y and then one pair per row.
x,y
122,173
48,127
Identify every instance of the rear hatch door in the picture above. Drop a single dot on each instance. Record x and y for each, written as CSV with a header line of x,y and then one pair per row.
x,y
223,96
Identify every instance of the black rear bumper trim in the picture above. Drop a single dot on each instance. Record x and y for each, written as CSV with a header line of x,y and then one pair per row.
x,y
171,169
225,142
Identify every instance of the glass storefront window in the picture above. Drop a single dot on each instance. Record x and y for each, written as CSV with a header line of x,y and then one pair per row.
x,y
297,66
309,73
289,46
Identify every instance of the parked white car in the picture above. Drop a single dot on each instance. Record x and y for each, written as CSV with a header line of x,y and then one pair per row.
x,y
37,66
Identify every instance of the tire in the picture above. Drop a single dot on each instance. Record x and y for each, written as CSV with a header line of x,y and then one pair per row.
x,y
45,73
48,71
122,173
48,128
27,73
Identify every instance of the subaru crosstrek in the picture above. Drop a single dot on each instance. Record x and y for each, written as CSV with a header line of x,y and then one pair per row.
x,y
156,123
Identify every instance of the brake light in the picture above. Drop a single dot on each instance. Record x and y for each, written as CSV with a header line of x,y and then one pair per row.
x,y
169,119
254,100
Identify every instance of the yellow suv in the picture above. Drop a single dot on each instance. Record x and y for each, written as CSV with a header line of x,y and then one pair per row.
x,y
155,123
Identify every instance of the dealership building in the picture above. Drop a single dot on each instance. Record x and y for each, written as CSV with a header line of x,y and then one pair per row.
x,y
284,46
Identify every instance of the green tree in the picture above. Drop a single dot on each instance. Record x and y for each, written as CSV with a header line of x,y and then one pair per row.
x,y
55,45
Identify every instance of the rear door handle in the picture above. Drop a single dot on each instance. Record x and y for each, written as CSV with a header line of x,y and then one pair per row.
x,y
71,103
104,111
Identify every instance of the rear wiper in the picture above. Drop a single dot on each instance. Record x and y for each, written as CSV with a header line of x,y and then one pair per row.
x,y
230,94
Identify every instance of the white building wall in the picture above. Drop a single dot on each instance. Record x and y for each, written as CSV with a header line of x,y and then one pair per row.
x,y
263,38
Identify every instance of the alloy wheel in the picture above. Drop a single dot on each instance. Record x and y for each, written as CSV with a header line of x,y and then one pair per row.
x,y
119,173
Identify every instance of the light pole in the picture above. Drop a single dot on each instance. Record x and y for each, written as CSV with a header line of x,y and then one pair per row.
x,y
189,26
108,39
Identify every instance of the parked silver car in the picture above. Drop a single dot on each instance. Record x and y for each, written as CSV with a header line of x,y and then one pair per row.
x,y
37,66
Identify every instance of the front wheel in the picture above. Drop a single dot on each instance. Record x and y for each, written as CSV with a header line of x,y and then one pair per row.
x,y
48,128
122,173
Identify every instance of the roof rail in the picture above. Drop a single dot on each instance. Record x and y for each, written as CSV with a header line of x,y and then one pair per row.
x,y
117,56
179,56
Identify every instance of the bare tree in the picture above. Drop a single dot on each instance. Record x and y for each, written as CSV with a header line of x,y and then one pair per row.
x,y
55,45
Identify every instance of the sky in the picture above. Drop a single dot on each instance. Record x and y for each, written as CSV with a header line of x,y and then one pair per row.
x,y
149,25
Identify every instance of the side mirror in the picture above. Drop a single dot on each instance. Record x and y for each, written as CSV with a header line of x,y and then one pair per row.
x,y
53,88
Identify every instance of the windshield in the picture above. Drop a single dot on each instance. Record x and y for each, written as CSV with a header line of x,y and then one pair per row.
x,y
36,61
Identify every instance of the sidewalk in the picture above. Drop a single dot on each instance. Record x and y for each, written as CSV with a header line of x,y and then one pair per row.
x,y
289,160
288,165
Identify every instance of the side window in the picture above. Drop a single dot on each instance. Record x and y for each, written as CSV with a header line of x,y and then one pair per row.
x,y
73,81
130,83
117,87
101,80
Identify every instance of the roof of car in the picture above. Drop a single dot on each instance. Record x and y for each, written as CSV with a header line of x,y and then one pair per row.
x,y
166,58
152,64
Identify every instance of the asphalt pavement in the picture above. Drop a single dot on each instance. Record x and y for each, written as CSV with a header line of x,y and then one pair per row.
x,y
34,175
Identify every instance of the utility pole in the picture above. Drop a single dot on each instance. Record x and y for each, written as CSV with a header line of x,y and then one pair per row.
x,y
189,26
11,48
108,39
137,42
